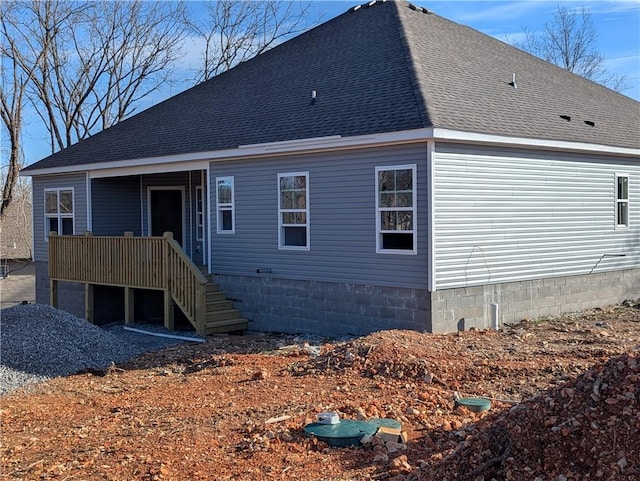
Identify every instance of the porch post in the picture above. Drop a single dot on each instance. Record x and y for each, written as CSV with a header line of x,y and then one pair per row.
x,y
53,267
88,302
53,293
168,301
168,310
128,305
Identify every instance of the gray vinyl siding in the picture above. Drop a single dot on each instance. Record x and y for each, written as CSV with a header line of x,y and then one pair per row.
x,y
116,204
342,218
40,183
503,216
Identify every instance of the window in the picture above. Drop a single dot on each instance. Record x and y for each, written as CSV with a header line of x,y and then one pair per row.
x,y
396,209
58,211
622,200
226,205
199,214
293,211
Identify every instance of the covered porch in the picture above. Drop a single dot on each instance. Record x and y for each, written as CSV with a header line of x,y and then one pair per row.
x,y
153,263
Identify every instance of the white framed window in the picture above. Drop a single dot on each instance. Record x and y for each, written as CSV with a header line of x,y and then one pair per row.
x,y
199,213
396,209
225,202
59,211
622,200
293,211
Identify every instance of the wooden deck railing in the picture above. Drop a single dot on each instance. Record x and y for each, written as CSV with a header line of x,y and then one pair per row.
x,y
131,262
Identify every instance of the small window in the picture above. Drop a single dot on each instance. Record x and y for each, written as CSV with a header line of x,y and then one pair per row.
x,y
293,211
226,205
199,213
58,211
622,200
396,209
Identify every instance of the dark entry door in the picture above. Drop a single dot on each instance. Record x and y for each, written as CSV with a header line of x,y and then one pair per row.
x,y
166,212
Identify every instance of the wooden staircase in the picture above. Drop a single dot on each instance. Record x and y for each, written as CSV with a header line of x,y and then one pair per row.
x,y
221,316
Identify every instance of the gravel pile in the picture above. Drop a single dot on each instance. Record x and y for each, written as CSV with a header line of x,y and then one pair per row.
x,y
38,342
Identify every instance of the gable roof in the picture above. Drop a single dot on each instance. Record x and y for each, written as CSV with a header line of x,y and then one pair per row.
x,y
385,67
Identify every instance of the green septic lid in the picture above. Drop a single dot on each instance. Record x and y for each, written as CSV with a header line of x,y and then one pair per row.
x,y
347,432
475,404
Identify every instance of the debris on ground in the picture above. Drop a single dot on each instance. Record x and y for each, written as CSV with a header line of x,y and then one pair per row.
x,y
563,391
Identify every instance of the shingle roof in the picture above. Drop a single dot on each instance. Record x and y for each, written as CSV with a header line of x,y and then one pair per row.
x,y
380,68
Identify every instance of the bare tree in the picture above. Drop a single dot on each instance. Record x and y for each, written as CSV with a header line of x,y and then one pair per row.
x,y
569,39
14,80
101,58
235,30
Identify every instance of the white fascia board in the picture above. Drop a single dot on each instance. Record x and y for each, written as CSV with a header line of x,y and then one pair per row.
x,y
557,145
199,160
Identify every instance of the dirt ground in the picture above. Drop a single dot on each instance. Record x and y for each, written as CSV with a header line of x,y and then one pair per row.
x,y
564,393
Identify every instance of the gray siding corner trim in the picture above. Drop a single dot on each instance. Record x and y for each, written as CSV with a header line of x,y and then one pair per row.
x,y
509,216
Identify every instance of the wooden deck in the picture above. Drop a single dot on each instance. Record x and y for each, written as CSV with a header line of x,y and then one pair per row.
x,y
142,263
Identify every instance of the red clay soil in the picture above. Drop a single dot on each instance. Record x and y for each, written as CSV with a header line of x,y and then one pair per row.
x,y
565,394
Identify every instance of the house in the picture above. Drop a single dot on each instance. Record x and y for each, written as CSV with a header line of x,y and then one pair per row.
x,y
16,233
386,169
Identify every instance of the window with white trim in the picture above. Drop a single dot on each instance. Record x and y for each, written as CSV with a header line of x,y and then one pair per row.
x,y
293,211
396,209
199,213
622,200
58,211
225,197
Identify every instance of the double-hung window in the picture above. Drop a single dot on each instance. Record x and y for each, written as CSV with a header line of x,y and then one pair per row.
x,y
293,211
622,200
58,211
396,209
225,197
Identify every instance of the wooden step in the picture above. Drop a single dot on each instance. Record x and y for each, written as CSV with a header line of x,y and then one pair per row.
x,y
215,297
212,287
229,325
219,305
216,316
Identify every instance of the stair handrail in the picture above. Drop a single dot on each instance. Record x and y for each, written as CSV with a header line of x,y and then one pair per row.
x,y
186,283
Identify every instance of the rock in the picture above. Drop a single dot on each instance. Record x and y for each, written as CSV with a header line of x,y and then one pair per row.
x,y
393,447
411,411
260,375
622,463
381,458
399,465
366,439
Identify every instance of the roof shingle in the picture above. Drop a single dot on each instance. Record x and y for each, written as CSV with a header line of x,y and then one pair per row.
x,y
384,68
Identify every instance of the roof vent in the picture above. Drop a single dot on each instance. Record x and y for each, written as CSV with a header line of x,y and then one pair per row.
x,y
590,123
356,8
566,117
418,9
513,81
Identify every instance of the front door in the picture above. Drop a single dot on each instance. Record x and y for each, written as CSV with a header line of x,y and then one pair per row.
x,y
166,207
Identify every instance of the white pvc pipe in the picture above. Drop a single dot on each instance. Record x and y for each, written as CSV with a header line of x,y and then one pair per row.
x,y
495,311
160,334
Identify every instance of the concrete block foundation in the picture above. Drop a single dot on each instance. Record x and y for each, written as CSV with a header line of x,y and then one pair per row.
x,y
472,307
325,308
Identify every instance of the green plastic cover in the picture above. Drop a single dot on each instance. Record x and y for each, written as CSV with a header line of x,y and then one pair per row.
x,y
348,432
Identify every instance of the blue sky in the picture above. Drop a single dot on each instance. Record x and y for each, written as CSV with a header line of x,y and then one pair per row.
x,y
617,23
